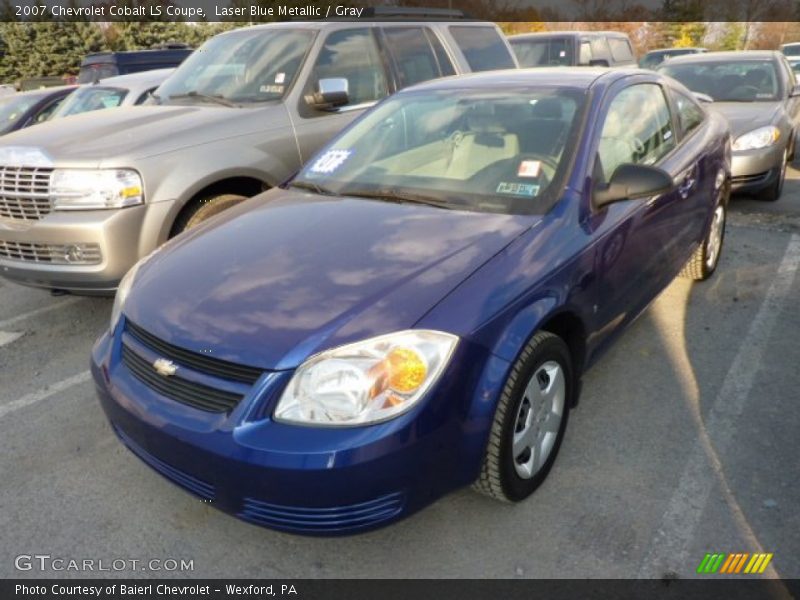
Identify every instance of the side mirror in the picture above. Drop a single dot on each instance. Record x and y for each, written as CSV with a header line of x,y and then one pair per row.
x,y
795,91
705,98
633,181
599,62
331,93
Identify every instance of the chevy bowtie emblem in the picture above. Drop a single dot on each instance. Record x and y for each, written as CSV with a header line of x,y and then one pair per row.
x,y
164,367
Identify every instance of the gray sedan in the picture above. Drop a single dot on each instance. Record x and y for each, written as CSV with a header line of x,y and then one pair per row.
x,y
758,93
122,90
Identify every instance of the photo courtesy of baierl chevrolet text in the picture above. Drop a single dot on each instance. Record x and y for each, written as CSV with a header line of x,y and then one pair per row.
x,y
430,299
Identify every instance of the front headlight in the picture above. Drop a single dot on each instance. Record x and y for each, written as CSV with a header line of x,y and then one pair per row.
x,y
368,381
123,290
85,189
758,138
124,287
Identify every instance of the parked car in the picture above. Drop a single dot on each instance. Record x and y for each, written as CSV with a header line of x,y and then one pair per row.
x,y
24,109
123,90
573,48
757,92
413,311
239,116
655,57
102,65
792,53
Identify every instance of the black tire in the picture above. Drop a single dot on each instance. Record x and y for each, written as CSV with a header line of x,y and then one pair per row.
x,y
498,476
774,191
203,209
699,268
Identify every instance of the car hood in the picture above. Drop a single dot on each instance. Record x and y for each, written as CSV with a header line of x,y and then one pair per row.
x,y
285,275
133,132
746,116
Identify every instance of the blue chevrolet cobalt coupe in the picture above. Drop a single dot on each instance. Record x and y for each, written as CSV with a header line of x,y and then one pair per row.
x,y
413,312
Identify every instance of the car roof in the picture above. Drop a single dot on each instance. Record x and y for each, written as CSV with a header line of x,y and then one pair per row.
x,y
573,77
710,57
47,91
143,78
568,33
663,50
344,23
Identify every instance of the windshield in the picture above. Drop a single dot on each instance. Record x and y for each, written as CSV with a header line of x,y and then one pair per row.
x,y
543,52
498,151
245,66
12,108
740,81
90,98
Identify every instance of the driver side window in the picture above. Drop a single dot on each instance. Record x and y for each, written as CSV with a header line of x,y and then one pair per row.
x,y
637,129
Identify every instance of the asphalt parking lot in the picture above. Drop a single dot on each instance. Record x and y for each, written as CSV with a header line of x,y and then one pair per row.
x,y
685,442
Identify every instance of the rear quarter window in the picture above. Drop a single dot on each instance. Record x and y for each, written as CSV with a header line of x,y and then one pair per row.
x,y
620,50
483,47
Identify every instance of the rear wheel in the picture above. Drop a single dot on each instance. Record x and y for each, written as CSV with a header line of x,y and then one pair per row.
x,y
204,209
529,422
705,259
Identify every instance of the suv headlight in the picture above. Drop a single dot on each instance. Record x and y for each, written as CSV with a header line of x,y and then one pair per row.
x,y
758,138
368,381
85,189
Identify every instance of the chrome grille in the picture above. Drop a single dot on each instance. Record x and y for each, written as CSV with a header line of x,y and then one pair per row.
x,y
54,254
24,192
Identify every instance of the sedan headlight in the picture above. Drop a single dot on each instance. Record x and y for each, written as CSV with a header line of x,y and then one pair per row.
x,y
368,381
123,290
758,138
85,189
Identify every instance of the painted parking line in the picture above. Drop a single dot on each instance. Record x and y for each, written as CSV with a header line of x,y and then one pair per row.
x,y
44,393
39,311
6,337
669,549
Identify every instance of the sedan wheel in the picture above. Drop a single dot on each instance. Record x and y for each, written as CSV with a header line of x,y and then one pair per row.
x,y
705,259
529,421
539,419
776,189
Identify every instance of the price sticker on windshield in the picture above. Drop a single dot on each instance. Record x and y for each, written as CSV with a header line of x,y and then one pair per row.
x,y
330,161
529,168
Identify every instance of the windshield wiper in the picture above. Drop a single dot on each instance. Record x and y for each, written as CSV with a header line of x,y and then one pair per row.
x,y
397,196
310,186
211,98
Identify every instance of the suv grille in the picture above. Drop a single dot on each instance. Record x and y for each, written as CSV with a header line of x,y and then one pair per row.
x,y
24,192
56,254
198,362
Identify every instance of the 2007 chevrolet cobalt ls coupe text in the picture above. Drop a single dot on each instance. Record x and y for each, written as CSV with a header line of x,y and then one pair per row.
x,y
414,310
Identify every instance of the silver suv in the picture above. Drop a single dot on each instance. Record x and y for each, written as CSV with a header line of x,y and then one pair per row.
x,y
83,198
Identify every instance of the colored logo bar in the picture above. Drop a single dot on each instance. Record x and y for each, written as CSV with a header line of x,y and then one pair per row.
x,y
735,563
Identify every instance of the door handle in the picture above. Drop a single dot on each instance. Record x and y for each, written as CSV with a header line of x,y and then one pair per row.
x,y
688,182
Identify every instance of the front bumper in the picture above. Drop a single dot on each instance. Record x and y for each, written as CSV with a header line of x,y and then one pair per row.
x,y
119,236
755,170
308,480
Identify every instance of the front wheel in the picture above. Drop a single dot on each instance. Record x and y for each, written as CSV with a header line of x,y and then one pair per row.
x,y
204,209
529,422
774,191
705,259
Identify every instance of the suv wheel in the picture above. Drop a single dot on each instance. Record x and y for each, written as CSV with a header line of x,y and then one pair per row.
x,y
203,209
